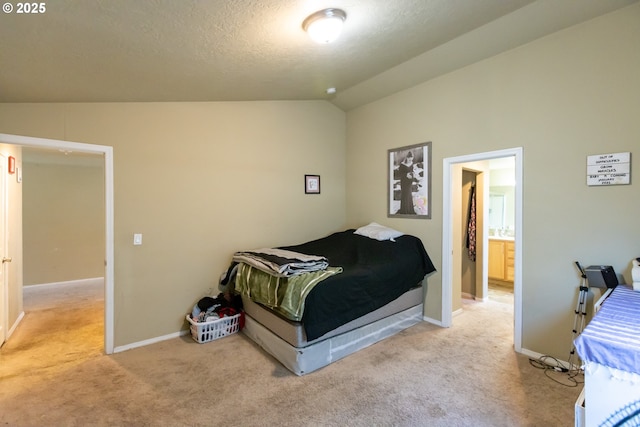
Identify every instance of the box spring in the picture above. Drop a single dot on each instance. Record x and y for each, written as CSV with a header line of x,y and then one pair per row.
x,y
286,341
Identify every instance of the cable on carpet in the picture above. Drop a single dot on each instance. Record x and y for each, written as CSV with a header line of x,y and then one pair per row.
x,y
551,365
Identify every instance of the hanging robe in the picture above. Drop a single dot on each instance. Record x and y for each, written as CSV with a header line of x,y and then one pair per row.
x,y
471,225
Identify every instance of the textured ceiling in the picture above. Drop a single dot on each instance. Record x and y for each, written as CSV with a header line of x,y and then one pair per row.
x,y
235,50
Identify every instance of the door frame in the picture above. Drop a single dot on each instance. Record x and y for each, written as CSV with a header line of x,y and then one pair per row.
x,y
107,153
447,235
4,283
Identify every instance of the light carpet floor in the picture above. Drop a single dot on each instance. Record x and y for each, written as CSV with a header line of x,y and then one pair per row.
x,y
53,373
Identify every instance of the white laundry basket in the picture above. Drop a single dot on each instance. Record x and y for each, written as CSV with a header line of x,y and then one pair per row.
x,y
208,331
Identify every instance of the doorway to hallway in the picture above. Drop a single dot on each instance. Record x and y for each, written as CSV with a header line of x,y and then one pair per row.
x,y
107,153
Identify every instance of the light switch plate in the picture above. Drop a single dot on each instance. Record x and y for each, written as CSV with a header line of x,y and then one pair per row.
x,y
137,239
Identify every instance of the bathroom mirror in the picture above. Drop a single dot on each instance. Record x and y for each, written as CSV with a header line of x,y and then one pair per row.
x,y
496,211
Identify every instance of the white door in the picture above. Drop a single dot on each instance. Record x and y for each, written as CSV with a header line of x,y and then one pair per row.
x,y
3,244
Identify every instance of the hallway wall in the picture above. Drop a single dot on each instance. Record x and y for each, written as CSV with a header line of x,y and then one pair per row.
x,y
63,211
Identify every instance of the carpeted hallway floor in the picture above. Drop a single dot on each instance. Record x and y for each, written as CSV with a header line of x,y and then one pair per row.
x,y
53,373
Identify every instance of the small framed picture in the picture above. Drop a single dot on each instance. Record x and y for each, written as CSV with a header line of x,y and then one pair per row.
x,y
312,184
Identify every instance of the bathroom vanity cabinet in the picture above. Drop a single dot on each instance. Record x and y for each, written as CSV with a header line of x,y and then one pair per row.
x,y
501,259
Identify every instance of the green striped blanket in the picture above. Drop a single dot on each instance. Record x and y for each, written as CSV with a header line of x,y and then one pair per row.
x,y
285,295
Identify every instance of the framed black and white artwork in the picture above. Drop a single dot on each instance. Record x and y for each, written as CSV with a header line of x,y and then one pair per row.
x,y
409,181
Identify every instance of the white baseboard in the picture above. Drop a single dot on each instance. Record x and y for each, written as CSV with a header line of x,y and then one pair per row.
x,y
536,355
15,325
150,341
467,295
434,321
92,281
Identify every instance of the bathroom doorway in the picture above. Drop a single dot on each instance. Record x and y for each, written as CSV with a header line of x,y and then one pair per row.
x,y
453,218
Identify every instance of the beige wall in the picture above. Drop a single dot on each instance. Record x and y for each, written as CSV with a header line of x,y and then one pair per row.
x,y
200,181
13,269
561,98
63,221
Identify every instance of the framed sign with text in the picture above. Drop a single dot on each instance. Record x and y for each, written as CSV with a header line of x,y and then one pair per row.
x,y
609,169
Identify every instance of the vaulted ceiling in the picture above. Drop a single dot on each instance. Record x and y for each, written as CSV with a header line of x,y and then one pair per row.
x,y
236,50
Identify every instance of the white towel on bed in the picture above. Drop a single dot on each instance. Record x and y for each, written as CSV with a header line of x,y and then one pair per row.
x,y
281,262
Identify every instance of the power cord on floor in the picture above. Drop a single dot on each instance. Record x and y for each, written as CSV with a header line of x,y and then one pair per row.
x,y
552,365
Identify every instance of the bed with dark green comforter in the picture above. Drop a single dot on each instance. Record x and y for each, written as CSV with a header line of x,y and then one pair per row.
x,y
373,273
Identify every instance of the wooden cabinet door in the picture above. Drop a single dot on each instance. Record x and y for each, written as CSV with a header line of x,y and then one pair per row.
x,y
509,261
496,259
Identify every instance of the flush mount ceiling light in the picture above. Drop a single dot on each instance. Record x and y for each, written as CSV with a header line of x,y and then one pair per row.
x,y
325,25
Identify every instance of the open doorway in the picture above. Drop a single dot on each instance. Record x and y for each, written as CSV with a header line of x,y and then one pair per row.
x,y
453,218
501,227
487,206
106,154
63,255
62,216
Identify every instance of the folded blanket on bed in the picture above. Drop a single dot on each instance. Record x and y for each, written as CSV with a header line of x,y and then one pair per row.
x,y
280,262
286,295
